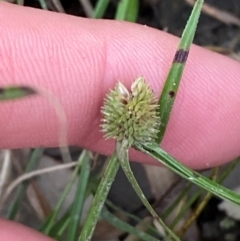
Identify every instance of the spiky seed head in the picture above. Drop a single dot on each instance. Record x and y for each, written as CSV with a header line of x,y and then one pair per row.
x,y
131,116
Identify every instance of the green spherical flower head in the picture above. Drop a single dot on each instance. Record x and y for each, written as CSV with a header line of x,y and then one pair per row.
x,y
131,116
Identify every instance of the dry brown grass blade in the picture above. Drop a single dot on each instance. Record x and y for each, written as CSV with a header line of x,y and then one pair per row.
x,y
87,7
218,14
57,4
38,201
5,168
32,174
198,209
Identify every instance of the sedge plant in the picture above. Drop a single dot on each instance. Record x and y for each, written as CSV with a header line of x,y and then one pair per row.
x,y
135,119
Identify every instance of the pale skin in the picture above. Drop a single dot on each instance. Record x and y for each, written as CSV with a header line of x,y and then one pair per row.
x,y
79,60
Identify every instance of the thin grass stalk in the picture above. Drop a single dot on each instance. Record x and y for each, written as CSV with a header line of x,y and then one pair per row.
x,y
193,199
77,206
199,208
131,216
4,171
205,200
127,10
60,226
184,209
48,225
228,170
62,229
124,161
168,211
118,223
190,202
100,8
15,205
99,199
222,177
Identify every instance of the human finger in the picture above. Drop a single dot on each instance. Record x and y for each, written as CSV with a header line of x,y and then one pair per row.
x,y
79,60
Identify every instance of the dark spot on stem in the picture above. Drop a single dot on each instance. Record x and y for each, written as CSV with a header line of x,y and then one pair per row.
x,y
28,90
1,91
180,56
171,93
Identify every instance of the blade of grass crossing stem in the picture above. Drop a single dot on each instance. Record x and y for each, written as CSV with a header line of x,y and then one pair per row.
x,y
100,8
170,88
194,215
130,216
99,199
196,195
15,92
196,212
163,157
49,224
14,207
118,223
77,206
123,157
127,10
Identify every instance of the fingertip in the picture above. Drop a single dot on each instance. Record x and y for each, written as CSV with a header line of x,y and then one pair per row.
x,y
11,231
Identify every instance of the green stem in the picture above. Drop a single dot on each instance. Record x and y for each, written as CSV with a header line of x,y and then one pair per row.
x,y
159,154
127,10
77,207
170,88
100,8
122,151
99,199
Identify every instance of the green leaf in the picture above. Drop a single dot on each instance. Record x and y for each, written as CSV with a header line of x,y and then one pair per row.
x,y
163,157
170,88
15,92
